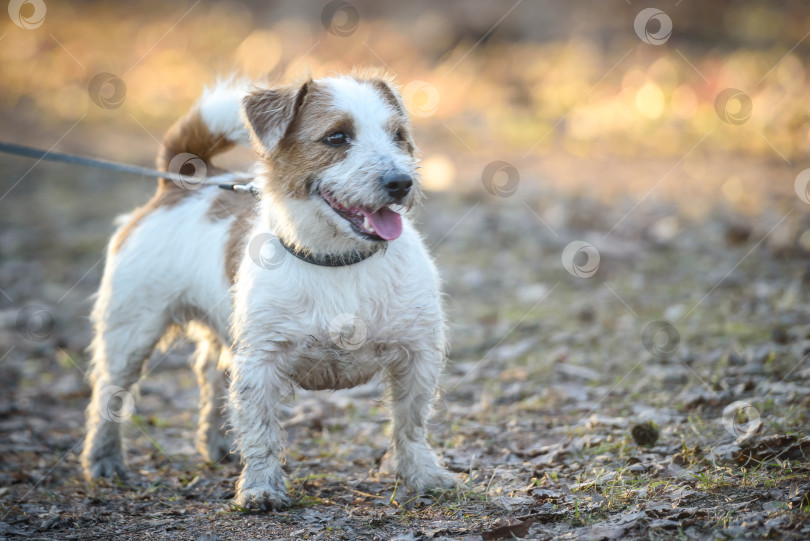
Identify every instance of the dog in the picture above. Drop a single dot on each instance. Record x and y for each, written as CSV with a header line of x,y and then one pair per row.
x,y
319,281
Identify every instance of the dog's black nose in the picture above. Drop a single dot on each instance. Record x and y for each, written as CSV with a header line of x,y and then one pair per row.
x,y
397,184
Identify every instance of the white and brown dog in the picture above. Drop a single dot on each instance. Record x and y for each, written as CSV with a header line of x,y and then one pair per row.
x,y
336,159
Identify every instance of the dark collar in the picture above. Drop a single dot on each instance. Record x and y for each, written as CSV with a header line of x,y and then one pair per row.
x,y
329,260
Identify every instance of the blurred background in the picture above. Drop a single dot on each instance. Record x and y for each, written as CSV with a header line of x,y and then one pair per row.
x,y
554,86
641,122
666,142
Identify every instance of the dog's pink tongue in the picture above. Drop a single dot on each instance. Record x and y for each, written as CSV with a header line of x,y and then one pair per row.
x,y
386,223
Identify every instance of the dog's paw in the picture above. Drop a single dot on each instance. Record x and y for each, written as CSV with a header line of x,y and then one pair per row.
x,y
268,498
107,467
432,479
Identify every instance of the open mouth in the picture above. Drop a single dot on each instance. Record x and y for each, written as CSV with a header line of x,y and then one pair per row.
x,y
380,224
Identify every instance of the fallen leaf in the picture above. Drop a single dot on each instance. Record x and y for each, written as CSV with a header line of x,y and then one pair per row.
x,y
509,530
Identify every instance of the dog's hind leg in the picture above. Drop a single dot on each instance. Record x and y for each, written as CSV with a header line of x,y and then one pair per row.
x,y
126,331
212,441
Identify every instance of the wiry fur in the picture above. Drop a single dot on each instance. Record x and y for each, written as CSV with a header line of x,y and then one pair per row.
x,y
272,329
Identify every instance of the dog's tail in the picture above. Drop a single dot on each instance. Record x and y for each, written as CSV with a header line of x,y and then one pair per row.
x,y
213,125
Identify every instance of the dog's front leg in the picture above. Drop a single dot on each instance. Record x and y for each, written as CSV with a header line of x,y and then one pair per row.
x,y
412,384
256,392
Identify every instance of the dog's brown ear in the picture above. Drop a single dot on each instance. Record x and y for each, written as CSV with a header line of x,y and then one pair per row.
x,y
271,112
390,92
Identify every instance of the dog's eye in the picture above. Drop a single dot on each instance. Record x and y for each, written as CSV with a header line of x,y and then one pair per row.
x,y
398,135
336,139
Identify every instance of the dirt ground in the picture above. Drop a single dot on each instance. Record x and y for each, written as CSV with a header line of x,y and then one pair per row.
x,y
661,394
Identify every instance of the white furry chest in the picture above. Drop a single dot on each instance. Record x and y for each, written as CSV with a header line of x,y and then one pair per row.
x,y
340,343
333,328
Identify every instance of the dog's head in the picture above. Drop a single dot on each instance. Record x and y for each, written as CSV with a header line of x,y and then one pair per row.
x,y
340,155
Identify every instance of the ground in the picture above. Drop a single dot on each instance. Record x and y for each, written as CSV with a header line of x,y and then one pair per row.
x,y
660,392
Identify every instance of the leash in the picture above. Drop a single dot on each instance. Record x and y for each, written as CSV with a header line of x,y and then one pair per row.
x,y
325,260
184,180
